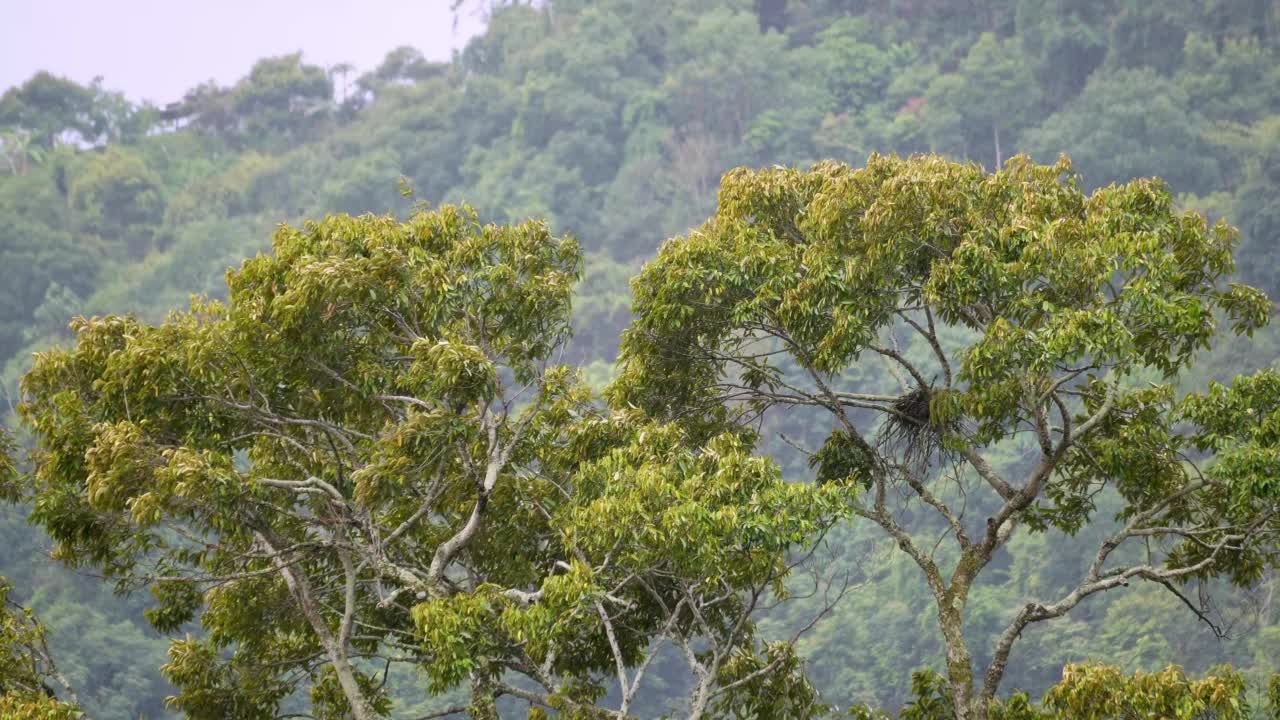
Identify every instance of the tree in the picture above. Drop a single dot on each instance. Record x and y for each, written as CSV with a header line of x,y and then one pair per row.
x,y
1124,125
282,97
48,106
369,456
403,65
119,199
855,64
724,72
37,256
26,666
992,93
1255,201
1066,40
1101,691
1098,692
1143,34
210,108
1215,78
1019,319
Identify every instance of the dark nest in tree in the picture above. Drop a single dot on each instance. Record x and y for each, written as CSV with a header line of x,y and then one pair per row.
x,y
910,434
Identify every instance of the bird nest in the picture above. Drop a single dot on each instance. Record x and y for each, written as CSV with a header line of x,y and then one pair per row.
x,y
912,434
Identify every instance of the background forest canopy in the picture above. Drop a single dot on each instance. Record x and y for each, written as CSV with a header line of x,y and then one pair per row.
x,y
615,121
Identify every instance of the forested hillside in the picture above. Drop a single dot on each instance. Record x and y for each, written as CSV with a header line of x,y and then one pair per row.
x,y
614,120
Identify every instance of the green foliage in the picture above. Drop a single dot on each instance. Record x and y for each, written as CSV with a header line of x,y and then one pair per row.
x,y
210,686
373,396
1215,78
8,470
278,90
26,667
841,459
334,297
39,253
1027,299
48,106
992,93
1273,696
781,692
1101,692
118,199
931,698
616,120
403,65
1255,202
821,258
1065,41
1124,124
856,64
1095,692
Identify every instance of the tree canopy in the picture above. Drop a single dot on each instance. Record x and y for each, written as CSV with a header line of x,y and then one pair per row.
x,y
1016,313
369,455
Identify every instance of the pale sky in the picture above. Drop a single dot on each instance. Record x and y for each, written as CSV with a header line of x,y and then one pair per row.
x,y
158,49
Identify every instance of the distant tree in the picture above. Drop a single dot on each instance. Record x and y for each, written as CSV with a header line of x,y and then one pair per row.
x,y
1123,125
122,121
836,98
54,313
566,138
510,34
1215,78
772,14
991,98
48,106
35,256
119,199
282,97
369,456
724,72
1065,40
208,107
1237,19
855,64
1020,317
1256,201
1151,34
404,65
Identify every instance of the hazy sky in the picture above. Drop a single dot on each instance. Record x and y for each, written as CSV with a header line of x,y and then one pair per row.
x,y
158,49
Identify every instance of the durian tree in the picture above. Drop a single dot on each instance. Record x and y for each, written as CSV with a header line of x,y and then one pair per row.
x,y
369,456
923,321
